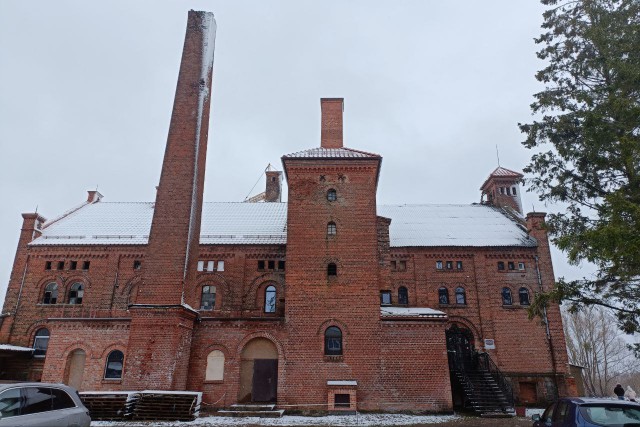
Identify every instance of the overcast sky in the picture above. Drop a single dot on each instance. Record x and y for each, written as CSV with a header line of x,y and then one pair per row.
x,y
86,91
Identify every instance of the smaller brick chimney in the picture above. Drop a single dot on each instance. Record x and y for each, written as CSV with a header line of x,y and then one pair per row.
x,y
94,196
273,192
331,134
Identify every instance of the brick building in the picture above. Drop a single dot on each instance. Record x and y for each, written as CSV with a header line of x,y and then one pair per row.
x,y
328,299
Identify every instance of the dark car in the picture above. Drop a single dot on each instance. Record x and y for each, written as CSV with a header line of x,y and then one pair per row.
x,y
589,412
41,405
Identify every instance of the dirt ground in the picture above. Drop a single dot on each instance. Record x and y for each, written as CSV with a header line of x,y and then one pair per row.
x,y
486,422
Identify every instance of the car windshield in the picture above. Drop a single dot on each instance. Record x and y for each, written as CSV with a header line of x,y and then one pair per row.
x,y
611,415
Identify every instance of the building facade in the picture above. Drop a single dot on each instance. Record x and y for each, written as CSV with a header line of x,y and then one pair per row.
x,y
328,301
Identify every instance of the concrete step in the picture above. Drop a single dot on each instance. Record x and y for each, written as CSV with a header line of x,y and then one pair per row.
x,y
253,407
259,414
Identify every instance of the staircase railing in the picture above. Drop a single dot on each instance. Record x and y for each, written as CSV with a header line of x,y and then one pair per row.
x,y
485,363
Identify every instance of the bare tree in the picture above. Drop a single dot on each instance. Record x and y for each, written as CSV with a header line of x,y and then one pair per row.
x,y
594,342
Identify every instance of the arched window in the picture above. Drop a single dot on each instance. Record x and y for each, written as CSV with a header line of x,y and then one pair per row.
x,y
524,296
332,269
331,229
461,296
270,299
215,366
208,299
50,294
76,293
41,342
113,368
333,341
506,296
443,295
331,195
403,296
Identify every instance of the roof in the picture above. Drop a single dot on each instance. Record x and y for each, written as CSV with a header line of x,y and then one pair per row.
x,y
9,347
117,223
331,153
412,312
501,172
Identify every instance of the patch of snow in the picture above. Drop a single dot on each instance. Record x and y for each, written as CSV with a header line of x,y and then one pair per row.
x,y
532,411
411,312
342,382
10,347
290,420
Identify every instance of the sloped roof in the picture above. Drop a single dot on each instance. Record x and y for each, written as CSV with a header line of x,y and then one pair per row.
x,y
453,225
109,223
501,172
330,153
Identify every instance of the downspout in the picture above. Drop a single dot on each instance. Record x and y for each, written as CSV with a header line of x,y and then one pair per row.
x,y
15,311
115,282
548,331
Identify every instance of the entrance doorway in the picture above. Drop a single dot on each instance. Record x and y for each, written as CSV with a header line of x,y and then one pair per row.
x,y
460,352
75,369
258,372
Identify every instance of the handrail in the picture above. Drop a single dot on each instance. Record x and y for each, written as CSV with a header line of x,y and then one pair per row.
x,y
485,362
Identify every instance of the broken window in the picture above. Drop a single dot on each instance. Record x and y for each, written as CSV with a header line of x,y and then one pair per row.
x,y
331,229
523,293
461,296
73,265
403,296
333,341
506,296
60,265
113,368
443,295
76,293
50,294
41,342
85,265
385,297
208,299
47,265
270,299
260,265
137,264
332,269
271,265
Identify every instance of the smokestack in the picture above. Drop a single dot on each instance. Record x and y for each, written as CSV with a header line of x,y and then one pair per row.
x,y
273,192
331,134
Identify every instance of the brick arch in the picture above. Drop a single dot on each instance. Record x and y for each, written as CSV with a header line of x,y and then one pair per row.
x,y
131,283
77,345
204,351
69,282
466,323
217,280
327,324
258,282
261,334
35,327
118,345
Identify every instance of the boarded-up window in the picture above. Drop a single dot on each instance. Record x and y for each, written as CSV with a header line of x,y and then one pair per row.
x,y
215,366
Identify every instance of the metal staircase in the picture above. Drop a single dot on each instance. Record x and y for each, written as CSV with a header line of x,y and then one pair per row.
x,y
484,388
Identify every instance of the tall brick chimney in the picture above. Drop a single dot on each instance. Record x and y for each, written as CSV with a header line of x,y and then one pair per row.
x,y
331,133
161,322
273,191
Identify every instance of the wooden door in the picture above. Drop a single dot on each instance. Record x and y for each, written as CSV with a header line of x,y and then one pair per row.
x,y
265,380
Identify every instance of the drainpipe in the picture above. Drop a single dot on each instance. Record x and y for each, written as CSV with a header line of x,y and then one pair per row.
x,y
548,331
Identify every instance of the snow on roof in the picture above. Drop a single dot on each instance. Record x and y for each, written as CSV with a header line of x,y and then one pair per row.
x,y
9,347
109,223
453,225
331,153
342,382
422,312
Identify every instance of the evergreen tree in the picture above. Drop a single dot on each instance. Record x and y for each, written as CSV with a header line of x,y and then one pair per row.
x,y
586,141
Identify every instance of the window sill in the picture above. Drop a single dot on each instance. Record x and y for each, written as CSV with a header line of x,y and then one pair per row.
x,y
515,306
213,382
336,358
111,381
453,305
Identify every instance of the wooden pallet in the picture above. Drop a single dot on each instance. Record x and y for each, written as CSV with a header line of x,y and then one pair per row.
x,y
109,406
167,406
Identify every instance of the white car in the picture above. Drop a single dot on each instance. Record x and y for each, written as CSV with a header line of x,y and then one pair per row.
x,y
41,404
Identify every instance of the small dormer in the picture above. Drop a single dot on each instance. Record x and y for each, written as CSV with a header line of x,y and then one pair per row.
x,y
502,189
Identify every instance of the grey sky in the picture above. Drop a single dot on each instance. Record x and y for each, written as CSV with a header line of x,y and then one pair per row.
x,y
86,91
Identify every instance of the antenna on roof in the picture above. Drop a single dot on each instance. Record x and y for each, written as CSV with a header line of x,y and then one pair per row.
x,y
533,207
498,155
268,168
36,208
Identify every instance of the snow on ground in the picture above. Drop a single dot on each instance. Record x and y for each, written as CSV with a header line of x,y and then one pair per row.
x,y
532,411
331,420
